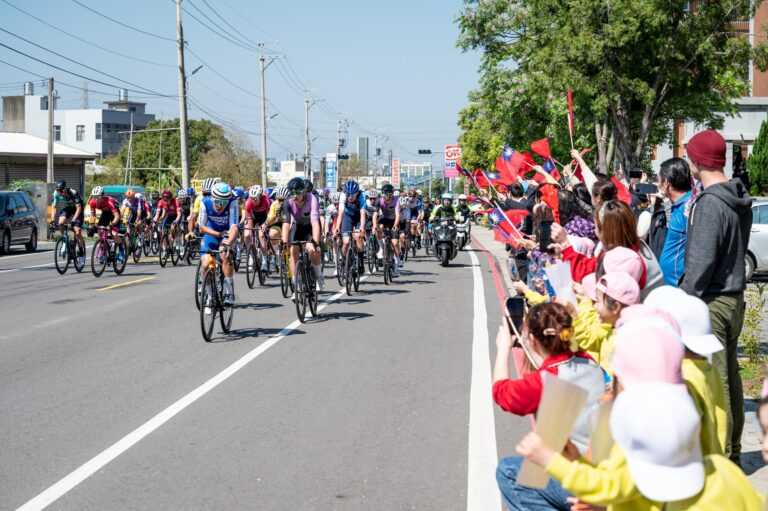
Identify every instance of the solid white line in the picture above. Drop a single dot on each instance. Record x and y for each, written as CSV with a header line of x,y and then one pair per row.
x,y
482,491
26,267
63,486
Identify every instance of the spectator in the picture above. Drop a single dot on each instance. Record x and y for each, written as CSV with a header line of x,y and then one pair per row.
x,y
718,233
674,184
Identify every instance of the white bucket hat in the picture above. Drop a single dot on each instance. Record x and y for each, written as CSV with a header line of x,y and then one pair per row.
x,y
692,314
657,426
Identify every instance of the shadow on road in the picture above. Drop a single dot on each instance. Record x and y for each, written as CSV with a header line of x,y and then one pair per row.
x,y
351,301
257,306
236,335
387,291
414,281
349,316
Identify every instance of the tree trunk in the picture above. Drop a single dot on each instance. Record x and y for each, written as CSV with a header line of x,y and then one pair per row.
x,y
599,130
610,152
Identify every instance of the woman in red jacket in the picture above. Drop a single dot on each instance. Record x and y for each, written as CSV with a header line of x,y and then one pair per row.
x,y
548,331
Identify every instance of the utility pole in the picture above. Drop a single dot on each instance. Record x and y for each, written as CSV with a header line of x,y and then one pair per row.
x,y
262,68
182,100
338,147
51,103
308,103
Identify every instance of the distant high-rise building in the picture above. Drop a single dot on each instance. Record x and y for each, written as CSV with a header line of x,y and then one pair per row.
x,y
362,149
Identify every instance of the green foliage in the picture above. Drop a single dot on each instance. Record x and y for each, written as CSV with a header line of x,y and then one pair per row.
x,y
751,332
633,67
757,163
22,185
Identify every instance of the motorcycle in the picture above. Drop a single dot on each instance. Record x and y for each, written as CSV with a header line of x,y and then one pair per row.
x,y
462,233
444,234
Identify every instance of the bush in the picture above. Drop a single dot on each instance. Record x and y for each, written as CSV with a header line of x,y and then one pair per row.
x,y
757,164
22,185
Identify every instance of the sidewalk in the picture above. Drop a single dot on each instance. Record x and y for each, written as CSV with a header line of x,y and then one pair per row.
x,y
751,442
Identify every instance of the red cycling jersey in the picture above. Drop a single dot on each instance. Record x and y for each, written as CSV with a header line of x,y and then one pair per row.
x,y
170,207
259,205
105,205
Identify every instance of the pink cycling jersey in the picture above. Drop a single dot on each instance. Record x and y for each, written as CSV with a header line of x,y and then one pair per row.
x,y
309,213
389,209
261,205
105,205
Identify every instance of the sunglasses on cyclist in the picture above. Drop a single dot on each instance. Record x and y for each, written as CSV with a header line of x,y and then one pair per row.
x,y
296,193
220,202
387,195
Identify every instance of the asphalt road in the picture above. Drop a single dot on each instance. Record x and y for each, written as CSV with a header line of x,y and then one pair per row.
x,y
110,398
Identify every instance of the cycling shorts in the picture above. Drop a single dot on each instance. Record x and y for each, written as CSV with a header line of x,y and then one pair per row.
x,y
259,218
167,221
300,233
106,219
387,223
69,213
402,225
350,223
209,243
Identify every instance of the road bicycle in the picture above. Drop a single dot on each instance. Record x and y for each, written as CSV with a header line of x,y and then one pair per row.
x,y
135,242
167,247
351,264
426,240
254,259
67,250
306,283
284,270
107,251
371,247
212,291
387,264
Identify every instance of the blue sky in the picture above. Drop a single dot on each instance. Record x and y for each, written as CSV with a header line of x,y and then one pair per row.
x,y
389,67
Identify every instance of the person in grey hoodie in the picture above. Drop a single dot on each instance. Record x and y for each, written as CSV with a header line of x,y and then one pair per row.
x,y
719,222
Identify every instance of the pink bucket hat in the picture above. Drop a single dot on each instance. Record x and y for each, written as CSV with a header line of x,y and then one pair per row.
x,y
620,286
649,315
623,259
589,284
647,353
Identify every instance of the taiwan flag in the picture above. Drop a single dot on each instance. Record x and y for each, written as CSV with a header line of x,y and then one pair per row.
x,y
551,169
508,163
541,147
505,230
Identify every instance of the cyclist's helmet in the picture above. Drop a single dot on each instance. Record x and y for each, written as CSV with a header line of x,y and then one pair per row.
x,y
335,197
238,192
387,189
351,187
447,196
208,184
167,195
182,195
297,184
155,195
397,193
221,191
282,193
191,192
418,192
130,194
326,192
97,191
372,194
61,185
403,202
255,191
308,185
139,196
273,194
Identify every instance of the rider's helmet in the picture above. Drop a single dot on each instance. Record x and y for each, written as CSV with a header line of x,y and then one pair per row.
x,y
296,184
167,195
397,193
462,199
447,199
97,191
139,196
130,194
403,202
372,194
308,185
61,185
182,195
255,191
238,192
208,184
191,192
155,195
418,192
351,187
282,193
326,192
387,189
335,197
221,191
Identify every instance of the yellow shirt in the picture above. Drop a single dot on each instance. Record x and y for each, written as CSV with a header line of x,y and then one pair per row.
x,y
606,484
594,336
725,488
276,211
196,205
535,298
706,389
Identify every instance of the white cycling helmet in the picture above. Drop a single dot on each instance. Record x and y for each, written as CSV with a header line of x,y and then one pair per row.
x,y
462,197
139,196
403,201
397,193
335,197
97,191
372,194
208,184
282,193
418,192
221,191
182,194
255,191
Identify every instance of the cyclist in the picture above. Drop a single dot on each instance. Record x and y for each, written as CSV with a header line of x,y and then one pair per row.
x,y
185,203
218,218
351,216
206,192
275,220
388,218
416,210
169,210
110,212
302,215
154,198
371,209
133,206
444,210
256,209
69,204
428,208
331,213
405,222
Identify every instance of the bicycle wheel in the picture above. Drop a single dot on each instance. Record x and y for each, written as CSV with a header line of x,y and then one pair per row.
x,y
370,254
285,287
61,256
250,266
357,279
208,304
164,252
226,312
312,295
198,284
341,267
145,244
413,246
120,259
79,253
136,248
349,262
155,242
175,250
99,258
301,292
259,272
237,256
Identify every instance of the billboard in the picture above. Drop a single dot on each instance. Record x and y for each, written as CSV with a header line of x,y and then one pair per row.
x,y
330,171
396,172
452,155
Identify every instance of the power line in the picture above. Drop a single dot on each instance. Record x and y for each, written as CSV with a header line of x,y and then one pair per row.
x,y
229,24
220,34
83,76
233,84
84,40
124,24
249,21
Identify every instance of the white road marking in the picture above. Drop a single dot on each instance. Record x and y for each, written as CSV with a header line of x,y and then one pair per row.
x,y
26,267
482,491
63,486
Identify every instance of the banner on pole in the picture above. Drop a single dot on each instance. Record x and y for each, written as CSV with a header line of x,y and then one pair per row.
x,y
396,172
330,171
452,155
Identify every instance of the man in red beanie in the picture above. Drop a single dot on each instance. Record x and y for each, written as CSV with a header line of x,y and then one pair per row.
x,y
718,233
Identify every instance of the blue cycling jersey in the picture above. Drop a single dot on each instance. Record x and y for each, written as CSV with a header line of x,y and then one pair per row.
x,y
218,221
352,208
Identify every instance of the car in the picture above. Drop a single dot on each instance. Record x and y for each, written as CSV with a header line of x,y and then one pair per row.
x,y
757,250
18,221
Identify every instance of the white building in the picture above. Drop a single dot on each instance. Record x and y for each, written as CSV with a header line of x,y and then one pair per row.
x,y
92,130
288,170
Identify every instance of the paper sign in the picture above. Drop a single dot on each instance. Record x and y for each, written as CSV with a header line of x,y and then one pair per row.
x,y
600,438
561,280
559,409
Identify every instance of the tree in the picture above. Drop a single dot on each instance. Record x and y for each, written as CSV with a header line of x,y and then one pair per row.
x,y
757,164
230,158
634,67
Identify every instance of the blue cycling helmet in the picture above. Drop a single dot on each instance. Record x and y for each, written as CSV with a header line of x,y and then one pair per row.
x,y
191,192
238,192
221,191
351,187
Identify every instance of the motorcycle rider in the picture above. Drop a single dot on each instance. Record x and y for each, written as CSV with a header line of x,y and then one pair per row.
x,y
463,209
445,210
